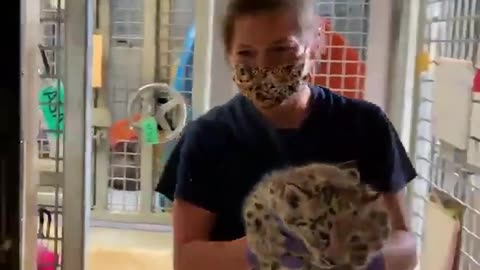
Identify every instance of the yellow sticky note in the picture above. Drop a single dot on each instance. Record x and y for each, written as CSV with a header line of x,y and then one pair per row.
x,y
97,61
423,62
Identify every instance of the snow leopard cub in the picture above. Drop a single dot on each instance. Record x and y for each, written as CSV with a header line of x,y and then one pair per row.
x,y
340,221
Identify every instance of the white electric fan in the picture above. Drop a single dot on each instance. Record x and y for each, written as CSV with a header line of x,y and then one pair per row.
x,y
166,105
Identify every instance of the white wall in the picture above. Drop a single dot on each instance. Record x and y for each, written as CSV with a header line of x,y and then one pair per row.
x,y
212,84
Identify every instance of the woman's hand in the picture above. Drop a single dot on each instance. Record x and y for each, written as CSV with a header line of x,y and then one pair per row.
x,y
400,251
394,256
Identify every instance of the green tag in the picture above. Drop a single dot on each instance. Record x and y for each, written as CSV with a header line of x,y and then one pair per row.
x,y
51,104
150,130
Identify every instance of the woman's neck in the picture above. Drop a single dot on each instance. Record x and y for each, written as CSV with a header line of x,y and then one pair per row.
x,y
291,113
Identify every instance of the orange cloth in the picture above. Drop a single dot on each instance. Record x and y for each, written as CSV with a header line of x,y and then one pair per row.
x,y
121,131
340,66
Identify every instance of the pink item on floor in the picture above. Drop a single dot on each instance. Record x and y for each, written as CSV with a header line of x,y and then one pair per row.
x,y
46,259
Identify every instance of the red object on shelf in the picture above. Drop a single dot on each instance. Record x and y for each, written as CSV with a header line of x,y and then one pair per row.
x,y
46,259
121,131
340,66
476,82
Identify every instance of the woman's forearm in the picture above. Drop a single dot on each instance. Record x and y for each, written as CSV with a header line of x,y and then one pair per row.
x,y
203,255
401,251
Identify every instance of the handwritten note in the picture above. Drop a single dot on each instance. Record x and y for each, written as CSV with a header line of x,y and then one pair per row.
x,y
51,101
150,131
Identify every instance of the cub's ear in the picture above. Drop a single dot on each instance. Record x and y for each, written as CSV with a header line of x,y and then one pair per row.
x,y
352,164
353,173
350,168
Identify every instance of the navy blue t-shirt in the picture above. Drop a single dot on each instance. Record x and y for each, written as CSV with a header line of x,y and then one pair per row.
x,y
224,153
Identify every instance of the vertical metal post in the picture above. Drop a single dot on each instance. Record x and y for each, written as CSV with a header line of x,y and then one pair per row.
x,y
202,57
405,107
148,76
394,72
417,83
76,69
378,51
212,84
222,86
402,63
102,148
416,202
30,81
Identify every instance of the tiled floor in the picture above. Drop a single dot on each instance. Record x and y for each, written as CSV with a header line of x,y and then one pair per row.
x,y
129,250
126,249
121,238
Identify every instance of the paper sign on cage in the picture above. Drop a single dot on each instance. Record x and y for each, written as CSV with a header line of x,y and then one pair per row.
x,y
473,153
452,94
442,235
150,131
97,61
51,101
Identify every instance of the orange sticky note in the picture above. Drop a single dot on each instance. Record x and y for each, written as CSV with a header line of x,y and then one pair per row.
x,y
97,61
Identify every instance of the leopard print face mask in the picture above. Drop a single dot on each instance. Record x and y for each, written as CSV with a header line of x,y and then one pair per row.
x,y
270,86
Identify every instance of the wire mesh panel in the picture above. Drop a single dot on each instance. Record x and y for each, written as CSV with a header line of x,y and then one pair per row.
x,y
451,30
49,160
341,64
175,46
162,31
125,77
126,53
124,177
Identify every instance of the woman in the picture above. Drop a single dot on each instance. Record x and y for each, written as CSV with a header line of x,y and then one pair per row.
x,y
277,120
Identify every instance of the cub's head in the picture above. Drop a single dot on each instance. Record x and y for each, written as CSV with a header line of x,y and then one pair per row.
x,y
309,198
305,189
301,196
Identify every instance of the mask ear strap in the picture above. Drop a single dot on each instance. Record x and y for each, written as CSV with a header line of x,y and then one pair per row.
x,y
319,43
320,40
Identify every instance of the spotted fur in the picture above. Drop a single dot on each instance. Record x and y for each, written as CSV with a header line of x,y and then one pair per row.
x,y
340,220
268,86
